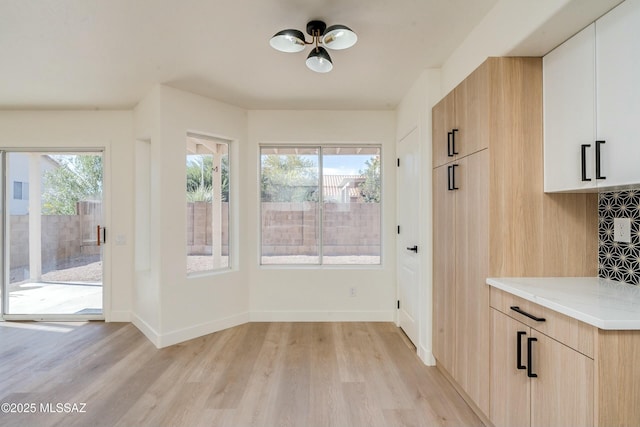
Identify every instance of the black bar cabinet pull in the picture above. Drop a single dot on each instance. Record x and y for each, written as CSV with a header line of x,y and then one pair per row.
x,y
519,351
598,176
530,373
530,316
453,177
583,158
414,248
449,187
449,150
453,140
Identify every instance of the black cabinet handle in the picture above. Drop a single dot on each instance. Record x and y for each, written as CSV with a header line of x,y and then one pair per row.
x,y
530,373
583,155
449,148
598,176
414,248
453,177
449,187
530,316
519,364
453,140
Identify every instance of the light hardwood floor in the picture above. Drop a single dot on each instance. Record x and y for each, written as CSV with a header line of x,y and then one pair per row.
x,y
257,374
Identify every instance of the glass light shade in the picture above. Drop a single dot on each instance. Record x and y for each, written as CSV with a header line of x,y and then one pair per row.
x,y
319,60
288,41
338,37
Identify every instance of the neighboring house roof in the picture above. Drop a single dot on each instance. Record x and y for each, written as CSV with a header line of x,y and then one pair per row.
x,y
336,185
48,159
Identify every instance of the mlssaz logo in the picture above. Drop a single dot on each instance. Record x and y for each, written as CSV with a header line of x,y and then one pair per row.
x,y
63,408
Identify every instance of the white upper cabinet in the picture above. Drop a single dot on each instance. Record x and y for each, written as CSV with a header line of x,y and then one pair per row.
x,y
592,105
618,91
569,82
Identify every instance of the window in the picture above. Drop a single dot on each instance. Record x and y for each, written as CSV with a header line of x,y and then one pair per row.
x,y
320,205
20,190
207,204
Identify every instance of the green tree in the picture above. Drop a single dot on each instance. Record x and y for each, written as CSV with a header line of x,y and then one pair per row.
x,y
199,177
77,178
370,188
288,178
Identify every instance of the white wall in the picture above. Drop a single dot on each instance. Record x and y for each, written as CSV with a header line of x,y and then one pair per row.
x,y
111,130
194,306
414,112
522,28
320,294
146,314
501,30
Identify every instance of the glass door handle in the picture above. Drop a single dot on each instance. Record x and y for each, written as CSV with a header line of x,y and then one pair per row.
x,y
101,235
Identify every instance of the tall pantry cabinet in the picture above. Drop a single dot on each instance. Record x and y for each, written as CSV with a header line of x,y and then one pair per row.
x,y
490,214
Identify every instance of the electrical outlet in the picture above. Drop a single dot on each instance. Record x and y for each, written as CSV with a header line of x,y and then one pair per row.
x,y
622,230
353,292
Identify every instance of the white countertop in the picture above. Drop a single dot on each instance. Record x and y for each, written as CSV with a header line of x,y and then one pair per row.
x,y
606,304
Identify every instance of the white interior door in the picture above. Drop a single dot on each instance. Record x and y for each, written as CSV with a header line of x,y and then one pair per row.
x,y
409,249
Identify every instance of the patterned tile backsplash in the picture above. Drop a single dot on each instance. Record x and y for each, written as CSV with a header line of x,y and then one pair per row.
x,y
617,260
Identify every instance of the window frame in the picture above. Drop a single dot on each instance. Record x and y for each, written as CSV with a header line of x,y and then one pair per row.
x,y
229,266
24,190
321,210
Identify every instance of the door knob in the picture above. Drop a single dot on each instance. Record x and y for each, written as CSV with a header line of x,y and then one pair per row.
x,y
414,249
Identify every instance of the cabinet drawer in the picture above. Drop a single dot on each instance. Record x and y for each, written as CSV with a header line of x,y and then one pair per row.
x,y
571,332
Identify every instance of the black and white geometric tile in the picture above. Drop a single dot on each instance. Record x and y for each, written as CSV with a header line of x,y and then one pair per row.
x,y
618,260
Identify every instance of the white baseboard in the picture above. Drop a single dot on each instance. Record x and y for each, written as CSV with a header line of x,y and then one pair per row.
x,y
322,316
196,331
201,329
118,316
146,329
426,356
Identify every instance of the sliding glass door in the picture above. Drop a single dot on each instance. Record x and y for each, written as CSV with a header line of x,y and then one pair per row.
x,y
53,234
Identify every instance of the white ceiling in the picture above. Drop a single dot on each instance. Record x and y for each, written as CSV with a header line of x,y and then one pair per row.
x,y
107,54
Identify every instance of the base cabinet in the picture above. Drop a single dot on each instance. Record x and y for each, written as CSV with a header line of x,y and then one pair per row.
x,y
562,392
560,371
510,386
537,381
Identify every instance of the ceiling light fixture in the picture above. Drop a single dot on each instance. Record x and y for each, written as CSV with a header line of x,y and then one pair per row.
x,y
336,37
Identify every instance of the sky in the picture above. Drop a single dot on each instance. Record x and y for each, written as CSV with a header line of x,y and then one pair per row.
x,y
345,165
342,164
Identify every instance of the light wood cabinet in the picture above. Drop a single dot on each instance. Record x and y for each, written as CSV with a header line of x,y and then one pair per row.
x,y
443,125
591,105
472,105
493,223
585,376
458,129
444,291
510,389
472,256
562,392
536,380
